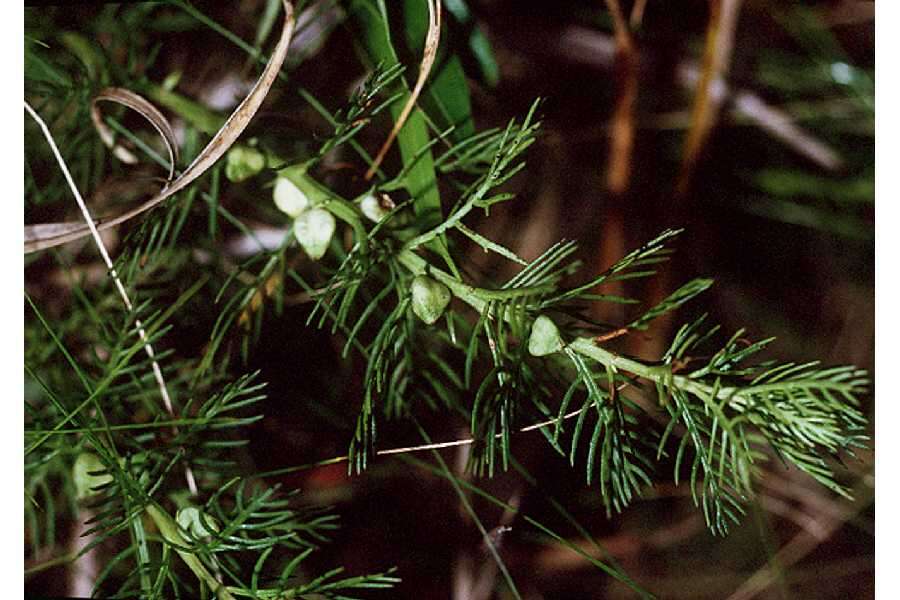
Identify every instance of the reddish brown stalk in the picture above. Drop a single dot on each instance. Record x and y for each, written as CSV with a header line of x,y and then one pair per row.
x,y
723,16
593,48
613,245
621,150
611,335
637,13
623,119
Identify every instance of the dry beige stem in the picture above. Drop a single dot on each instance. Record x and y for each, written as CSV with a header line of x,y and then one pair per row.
x,y
48,235
140,105
432,39
157,372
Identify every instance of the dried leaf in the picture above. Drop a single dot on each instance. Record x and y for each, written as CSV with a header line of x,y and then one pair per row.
x,y
36,236
143,107
432,39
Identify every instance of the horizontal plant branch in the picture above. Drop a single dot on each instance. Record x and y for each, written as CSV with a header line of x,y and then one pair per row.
x,y
585,346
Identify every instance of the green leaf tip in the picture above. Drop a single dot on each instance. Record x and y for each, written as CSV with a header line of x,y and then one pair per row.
x,y
545,338
85,473
429,298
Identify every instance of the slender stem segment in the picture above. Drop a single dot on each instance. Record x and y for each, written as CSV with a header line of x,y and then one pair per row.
x,y
659,373
169,529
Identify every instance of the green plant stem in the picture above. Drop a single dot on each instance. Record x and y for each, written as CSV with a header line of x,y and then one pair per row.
x,y
442,228
48,564
478,299
169,529
413,137
322,196
658,373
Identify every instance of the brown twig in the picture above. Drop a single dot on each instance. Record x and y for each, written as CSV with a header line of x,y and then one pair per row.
x,y
596,49
716,60
611,335
623,120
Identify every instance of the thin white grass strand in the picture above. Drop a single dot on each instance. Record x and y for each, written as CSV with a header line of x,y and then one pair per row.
x,y
101,247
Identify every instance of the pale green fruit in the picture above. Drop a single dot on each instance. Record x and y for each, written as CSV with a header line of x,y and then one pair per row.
x,y
545,338
374,208
429,298
288,198
243,163
313,228
85,477
199,524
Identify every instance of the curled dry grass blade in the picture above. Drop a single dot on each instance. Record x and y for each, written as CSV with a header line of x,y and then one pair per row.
x,y
143,107
107,260
48,235
432,40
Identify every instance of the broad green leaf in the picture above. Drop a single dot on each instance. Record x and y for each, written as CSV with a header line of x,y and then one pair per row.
x,y
478,42
447,98
89,54
204,119
371,15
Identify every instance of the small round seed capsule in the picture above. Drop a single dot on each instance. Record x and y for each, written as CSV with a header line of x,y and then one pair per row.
x,y
545,338
86,477
376,208
197,524
288,197
313,228
429,298
243,163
